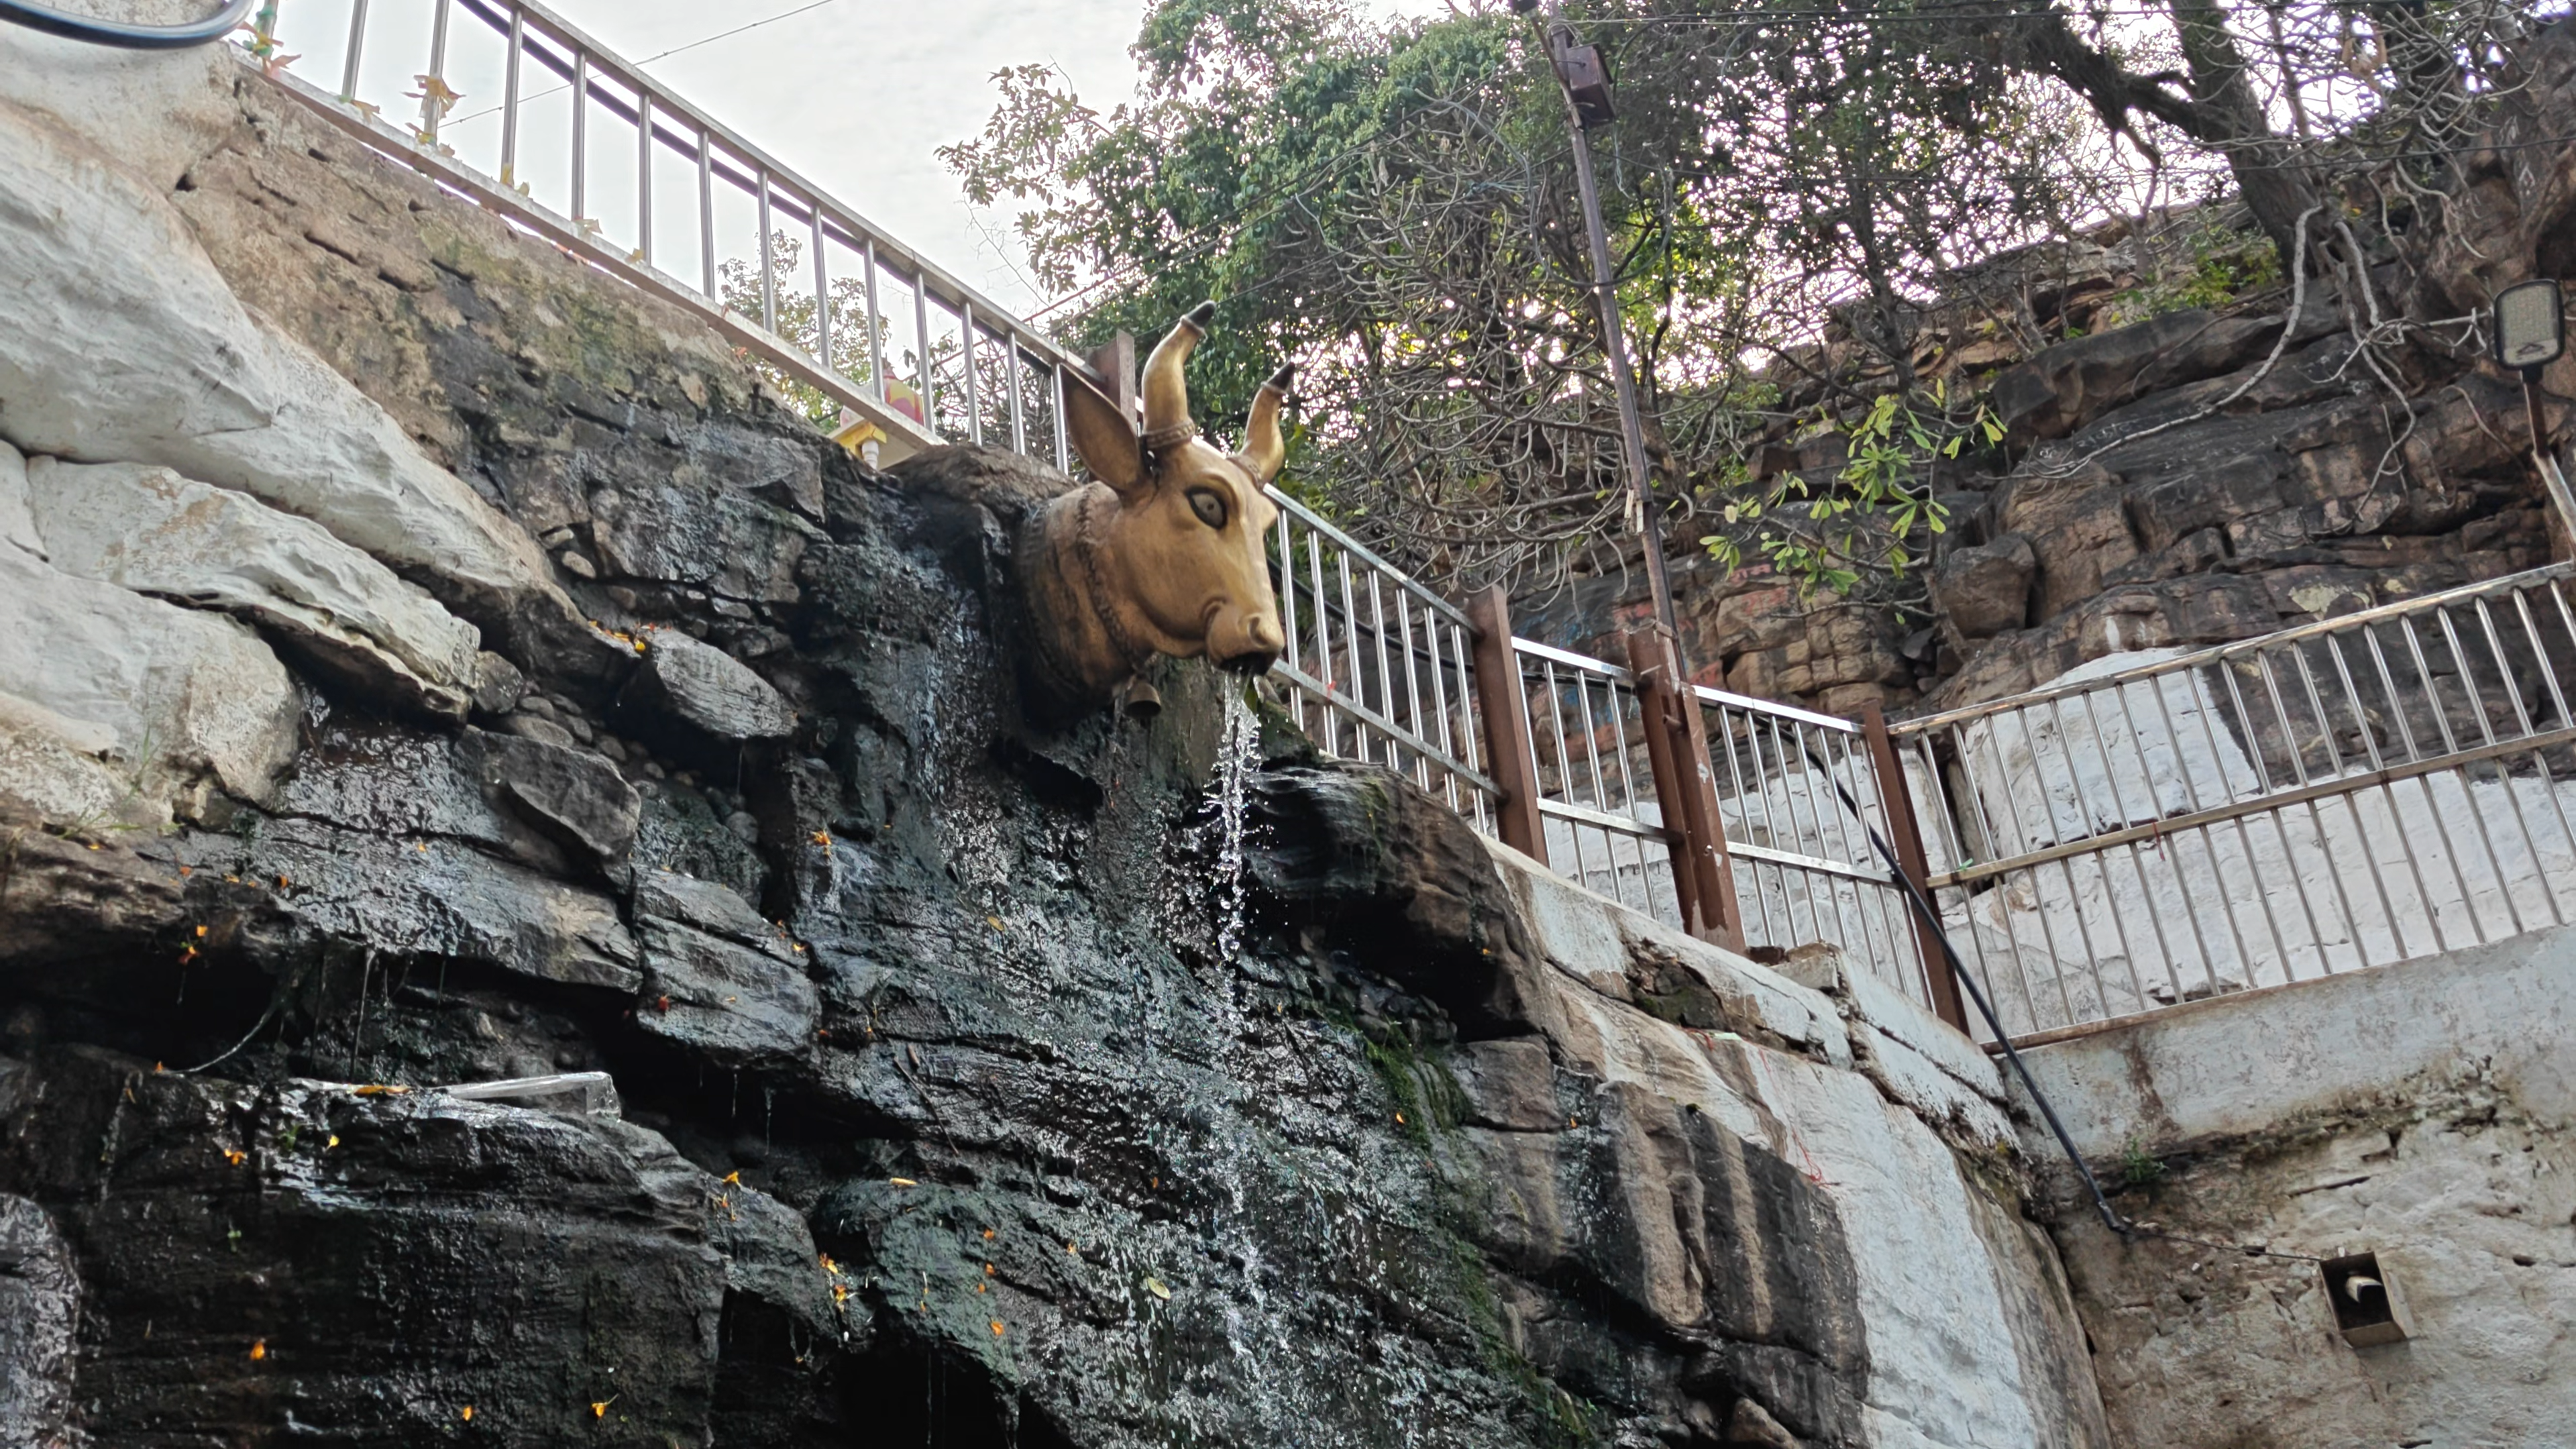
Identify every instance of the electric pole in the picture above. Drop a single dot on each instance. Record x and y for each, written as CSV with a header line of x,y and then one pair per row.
x,y
1586,86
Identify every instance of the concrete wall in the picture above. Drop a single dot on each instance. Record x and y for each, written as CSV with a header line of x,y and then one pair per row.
x,y
2420,1112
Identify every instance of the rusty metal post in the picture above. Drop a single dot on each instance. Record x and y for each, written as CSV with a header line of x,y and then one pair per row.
x,y
1905,836
1499,705
1685,789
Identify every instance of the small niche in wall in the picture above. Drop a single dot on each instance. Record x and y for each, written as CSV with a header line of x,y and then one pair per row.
x,y
2368,1308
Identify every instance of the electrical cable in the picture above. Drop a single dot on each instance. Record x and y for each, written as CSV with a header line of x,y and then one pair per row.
x,y
2112,1218
640,64
120,34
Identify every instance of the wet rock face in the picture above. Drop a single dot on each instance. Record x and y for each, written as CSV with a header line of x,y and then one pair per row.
x,y
944,1113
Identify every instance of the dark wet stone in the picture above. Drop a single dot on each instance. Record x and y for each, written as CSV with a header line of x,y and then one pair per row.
x,y
730,1005
39,1311
375,1265
703,697
575,794
438,898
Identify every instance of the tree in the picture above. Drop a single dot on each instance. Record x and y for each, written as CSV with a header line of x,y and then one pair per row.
x,y
1799,191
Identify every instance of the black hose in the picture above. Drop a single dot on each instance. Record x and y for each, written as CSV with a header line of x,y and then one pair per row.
x,y
2111,1217
122,35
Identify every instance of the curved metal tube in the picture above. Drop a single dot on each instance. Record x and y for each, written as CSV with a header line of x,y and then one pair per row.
x,y
120,34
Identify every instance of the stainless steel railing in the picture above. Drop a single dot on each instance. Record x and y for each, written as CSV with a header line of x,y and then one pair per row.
x,y
1604,825
2368,789
1788,783
512,105
1378,668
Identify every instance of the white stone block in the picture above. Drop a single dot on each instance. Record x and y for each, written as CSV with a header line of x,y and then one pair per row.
x,y
148,529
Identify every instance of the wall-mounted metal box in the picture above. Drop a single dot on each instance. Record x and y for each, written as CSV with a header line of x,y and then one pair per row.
x,y
2369,1309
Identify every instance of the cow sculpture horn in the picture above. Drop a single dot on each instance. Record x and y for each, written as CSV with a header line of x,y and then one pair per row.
x,y
1167,392
1165,553
1264,450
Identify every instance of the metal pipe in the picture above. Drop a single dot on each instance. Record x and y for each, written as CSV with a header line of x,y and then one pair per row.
x,y
49,21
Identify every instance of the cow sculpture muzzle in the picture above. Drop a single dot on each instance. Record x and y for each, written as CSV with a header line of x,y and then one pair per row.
x,y
1164,554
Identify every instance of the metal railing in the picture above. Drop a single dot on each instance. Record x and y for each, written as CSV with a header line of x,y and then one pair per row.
x,y
2368,789
1377,667
510,104
1595,787
1788,780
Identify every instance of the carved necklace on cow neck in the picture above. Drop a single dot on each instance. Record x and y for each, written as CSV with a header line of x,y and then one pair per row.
x,y
1086,547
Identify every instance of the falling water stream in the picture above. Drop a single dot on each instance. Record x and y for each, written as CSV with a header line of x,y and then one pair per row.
x,y
1238,752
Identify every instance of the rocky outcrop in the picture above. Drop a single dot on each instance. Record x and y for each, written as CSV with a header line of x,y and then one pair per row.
x,y
962,1089
117,710
147,529
154,360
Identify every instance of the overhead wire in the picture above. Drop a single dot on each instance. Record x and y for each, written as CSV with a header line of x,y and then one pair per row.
x,y
648,60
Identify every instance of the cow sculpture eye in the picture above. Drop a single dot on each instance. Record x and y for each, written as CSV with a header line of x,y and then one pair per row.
x,y
1209,505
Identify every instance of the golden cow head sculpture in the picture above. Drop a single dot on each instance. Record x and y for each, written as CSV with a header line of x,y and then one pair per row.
x,y
1164,554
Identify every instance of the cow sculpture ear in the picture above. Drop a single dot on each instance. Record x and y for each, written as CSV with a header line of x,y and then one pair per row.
x,y
1107,443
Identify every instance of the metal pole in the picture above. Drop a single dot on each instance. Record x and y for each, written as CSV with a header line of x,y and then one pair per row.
x,y
1632,431
2550,478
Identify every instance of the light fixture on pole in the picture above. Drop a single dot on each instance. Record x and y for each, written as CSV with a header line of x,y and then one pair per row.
x,y
2530,334
1586,83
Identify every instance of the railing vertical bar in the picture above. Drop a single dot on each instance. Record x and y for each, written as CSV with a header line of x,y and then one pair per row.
x,y
970,347
921,334
1846,778
1735,772
2450,745
823,352
1063,385
2352,807
1019,404
1385,676
2218,876
2388,791
2020,846
580,132
2540,758
2316,823
707,213
1351,631
876,320
1323,633
510,99
2263,786
357,48
1628,792
644,176
769,268
1443,735
2137,866
2486,733
1564,767
432,109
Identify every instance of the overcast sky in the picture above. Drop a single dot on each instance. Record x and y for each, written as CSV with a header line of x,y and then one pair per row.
x,y
855,94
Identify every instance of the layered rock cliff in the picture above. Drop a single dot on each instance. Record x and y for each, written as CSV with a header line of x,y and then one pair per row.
x,y
425,663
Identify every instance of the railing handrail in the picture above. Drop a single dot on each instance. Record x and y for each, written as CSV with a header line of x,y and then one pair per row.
x,y
2216,653
1766,706
906,259
1616,674
1365,554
